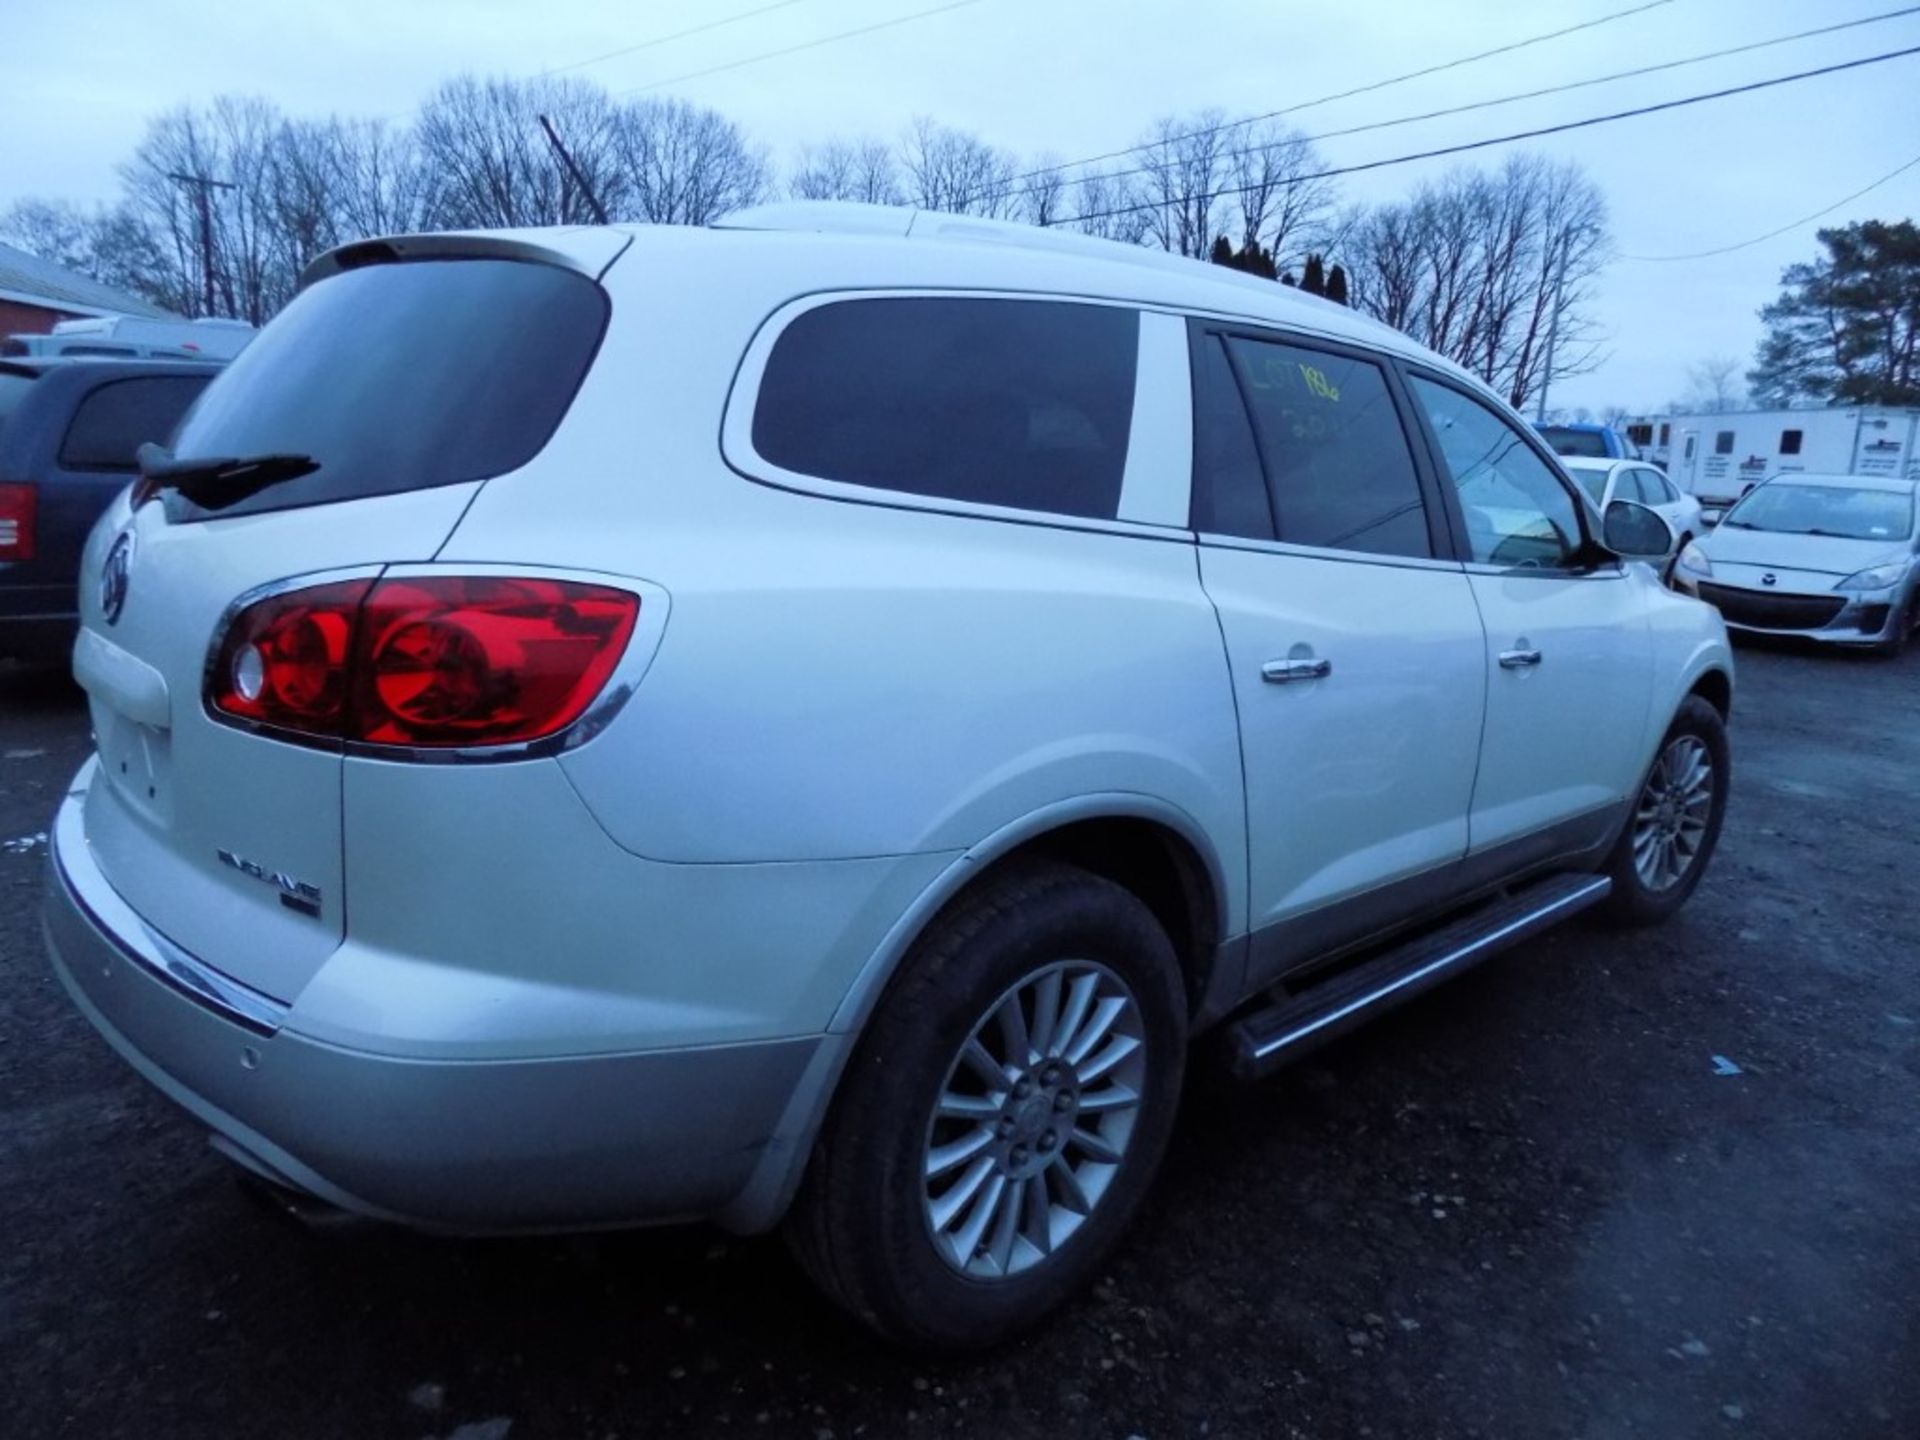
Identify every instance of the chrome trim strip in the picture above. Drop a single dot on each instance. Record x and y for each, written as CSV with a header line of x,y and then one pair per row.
x,y
142,945
1591,893
736,424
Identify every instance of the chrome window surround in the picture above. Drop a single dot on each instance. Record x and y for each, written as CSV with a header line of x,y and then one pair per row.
x,y
1153,487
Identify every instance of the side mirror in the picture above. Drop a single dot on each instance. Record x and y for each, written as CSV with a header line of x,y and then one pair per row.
x,y
1634,532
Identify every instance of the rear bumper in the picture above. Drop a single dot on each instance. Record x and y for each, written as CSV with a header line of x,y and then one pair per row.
x,y
466,1146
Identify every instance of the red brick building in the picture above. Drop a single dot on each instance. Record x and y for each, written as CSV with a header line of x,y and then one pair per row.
x,y
35,293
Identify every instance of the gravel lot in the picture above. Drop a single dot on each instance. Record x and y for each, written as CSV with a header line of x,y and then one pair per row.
x,y
1525,1206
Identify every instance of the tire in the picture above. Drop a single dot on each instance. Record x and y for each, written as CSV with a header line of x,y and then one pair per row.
x,y
1647,889
867,1223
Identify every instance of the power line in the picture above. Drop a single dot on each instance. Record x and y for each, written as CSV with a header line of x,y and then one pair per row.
x,y
805,45
1494,103
1793,225
668,39
1366,89
1530,134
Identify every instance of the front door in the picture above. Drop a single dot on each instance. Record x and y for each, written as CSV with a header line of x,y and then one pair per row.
x,y
1357,654
1570,660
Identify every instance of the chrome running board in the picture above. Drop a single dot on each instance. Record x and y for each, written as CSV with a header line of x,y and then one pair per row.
x,y
1286,1029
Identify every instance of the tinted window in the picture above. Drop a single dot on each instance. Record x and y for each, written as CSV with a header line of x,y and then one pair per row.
x,y
1567,440
13,389
1229,487
401,376
996,402
117,419
1723,443
1517,511
1338,467
1790,442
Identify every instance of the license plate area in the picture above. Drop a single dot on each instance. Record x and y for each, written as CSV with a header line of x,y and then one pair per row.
x,y
137,761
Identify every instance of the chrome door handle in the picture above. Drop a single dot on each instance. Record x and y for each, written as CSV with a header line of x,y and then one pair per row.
x,y
1519,659
1279,672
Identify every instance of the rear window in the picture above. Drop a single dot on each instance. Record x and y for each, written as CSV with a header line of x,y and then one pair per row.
x,y
1024,403
404,375
117,419
1566,440
13,389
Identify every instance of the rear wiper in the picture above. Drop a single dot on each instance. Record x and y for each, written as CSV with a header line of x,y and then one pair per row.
x,y
215,482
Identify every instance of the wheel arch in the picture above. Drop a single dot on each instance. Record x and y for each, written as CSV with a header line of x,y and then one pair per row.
x,y
1139,841
1149,846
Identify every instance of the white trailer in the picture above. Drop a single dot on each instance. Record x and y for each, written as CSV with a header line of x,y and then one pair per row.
x,y
1721,457
133,335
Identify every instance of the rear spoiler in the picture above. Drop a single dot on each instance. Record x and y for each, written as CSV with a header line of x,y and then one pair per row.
x,y
586,249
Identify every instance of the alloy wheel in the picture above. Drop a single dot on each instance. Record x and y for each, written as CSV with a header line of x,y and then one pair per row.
x,y
1670,823
1034,1119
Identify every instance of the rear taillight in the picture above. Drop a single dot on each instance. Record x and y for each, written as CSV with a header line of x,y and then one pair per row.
x,y
423,660
19,508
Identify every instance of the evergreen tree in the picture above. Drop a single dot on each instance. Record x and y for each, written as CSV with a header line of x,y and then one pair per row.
x,y
1287,279
1314,281
1337,285
1846,328
1222,252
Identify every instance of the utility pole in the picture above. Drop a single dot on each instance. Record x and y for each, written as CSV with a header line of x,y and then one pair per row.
x,y
203,188
1553,328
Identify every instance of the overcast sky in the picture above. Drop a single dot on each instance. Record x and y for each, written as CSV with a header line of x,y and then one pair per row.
x,y
81,77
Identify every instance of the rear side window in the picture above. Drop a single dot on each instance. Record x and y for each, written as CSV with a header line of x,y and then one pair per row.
x,y
405,375
1339,470
117,419
1024,403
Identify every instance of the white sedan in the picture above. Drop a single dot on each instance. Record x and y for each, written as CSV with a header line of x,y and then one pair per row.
x,y
1608,480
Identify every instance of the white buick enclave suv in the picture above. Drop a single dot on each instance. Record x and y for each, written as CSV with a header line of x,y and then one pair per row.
x,y
804,720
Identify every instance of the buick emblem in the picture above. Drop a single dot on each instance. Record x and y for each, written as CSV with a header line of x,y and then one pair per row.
x,y
1769,579
113,578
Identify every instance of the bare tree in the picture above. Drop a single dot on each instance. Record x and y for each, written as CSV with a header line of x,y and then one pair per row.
x,y
1041,197
681,164
956,172
1285,202
112,246
1716,385
1103,204
1183,170
1493,269
860,170
488,161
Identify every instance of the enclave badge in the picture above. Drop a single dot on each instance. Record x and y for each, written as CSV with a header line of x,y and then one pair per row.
x,y
1769,579
294,894
113,578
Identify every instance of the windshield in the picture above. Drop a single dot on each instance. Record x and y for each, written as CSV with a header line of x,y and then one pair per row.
x,y
1594,482
1566,440
1825,510
401,376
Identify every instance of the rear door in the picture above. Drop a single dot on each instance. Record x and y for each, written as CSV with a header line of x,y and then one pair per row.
x,y
1569,661
1357,656
408,383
